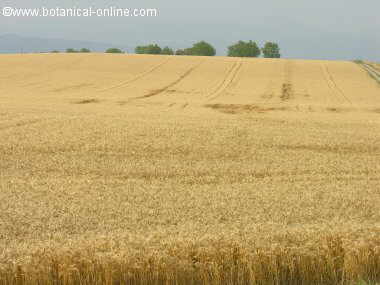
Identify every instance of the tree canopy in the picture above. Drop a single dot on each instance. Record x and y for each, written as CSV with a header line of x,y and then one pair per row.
x,y
244,49
201,48
179,52
70,50
84,50
271,50
167,50
114,50
148,49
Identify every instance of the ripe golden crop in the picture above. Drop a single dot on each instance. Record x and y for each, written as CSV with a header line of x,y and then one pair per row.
x,y
124,169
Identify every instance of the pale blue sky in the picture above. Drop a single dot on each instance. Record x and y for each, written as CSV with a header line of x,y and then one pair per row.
x,y
327,29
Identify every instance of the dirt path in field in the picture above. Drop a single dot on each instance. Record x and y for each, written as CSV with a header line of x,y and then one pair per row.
x,y
373,72
165,88
335,90
137,77
287,91
227,81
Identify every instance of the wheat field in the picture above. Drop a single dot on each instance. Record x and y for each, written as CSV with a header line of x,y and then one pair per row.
x,y
133,169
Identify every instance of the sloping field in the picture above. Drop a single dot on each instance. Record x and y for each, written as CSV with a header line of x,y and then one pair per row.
x,y
124,169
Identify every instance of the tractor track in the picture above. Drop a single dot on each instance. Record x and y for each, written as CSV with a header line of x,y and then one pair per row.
x,y
137,77
227,81
327,81
375,74
270,88
287,89
332,84
175,82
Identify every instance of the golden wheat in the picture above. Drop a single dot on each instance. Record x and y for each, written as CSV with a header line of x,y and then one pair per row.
x,y
122,169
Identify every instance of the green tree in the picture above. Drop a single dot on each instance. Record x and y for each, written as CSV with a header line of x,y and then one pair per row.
x,y
179,52
114,50
55,51
140,50
167,50
70,50
84,50
154,49
244,49
149,49
201,48
188,51
271,50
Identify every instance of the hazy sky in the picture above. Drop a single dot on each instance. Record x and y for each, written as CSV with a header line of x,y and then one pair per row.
x,y
327,29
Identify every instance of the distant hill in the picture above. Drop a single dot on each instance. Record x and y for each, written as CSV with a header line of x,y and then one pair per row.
x,y
11,43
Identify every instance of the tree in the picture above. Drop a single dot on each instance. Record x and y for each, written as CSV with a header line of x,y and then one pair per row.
x,y
84,50
55,51
244,49
167,50
188,51
201,48
140,50
149,49
70,50
271,50
114,50
179,52
154,49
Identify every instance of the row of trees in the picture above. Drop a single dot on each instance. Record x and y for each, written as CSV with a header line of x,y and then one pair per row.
x,y
153,49
202,48
239,49
251,49
86,50
71,50
114,50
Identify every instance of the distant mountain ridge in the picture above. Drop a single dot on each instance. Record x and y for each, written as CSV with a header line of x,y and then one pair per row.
x,y
12,43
